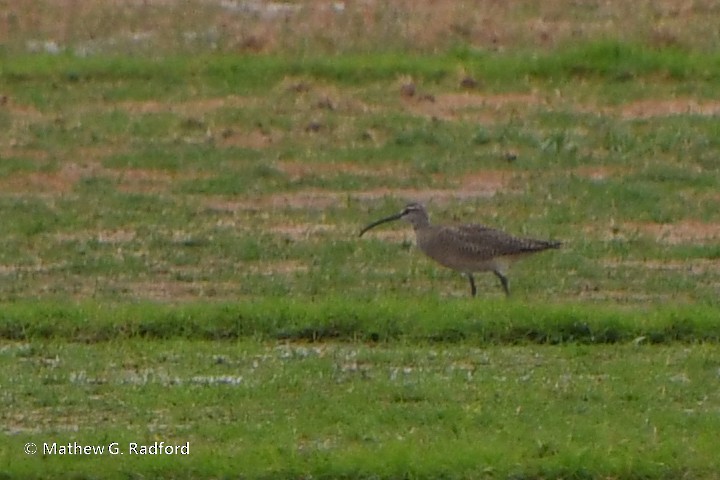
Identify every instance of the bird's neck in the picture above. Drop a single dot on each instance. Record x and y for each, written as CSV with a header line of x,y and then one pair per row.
x,y
419,224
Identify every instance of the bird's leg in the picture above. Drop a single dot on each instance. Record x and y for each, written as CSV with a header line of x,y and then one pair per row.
x,y
504,281
473,290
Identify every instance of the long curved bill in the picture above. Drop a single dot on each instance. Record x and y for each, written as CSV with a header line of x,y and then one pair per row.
x,y
383,220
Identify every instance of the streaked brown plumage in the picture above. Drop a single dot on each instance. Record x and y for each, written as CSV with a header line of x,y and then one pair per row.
x,y
467,248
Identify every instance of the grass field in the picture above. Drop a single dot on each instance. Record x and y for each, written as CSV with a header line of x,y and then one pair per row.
x,y
181,192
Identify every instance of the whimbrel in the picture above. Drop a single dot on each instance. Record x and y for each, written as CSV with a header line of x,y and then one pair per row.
x,y
467,248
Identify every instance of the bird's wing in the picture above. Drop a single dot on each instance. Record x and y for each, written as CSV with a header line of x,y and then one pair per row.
x,y
488,242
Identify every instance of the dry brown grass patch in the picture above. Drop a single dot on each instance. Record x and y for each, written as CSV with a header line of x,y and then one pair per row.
x,y
140,180
299,170
627,296
663,108
173,290
486,182
302,231
33,154
687,231
102,236
473,106
599,172
695,266
481,184
324,26
55,182
277,267
254,139
192,108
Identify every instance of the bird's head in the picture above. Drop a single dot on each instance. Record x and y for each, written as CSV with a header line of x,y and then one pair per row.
x,y
414,213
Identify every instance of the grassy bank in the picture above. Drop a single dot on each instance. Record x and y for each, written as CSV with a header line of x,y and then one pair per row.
x,y
380,320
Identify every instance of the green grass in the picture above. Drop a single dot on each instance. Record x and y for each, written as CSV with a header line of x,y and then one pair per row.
x,y
179,261
615,62
279,410
381,320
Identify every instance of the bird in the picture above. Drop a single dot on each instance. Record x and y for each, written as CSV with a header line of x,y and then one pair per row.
x,y
468,248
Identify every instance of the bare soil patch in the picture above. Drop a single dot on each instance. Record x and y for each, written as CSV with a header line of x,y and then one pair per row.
x,y
22,152
301,231
63,180
299,170
20,113
481,184
34,268
191,108
664,108
141,180
624,296
599,172
695,266
254,139
277,267
55,182
319,199
97,153
174,290
397,234
474,106
687,231
102,236
311,199
425,25
486,182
